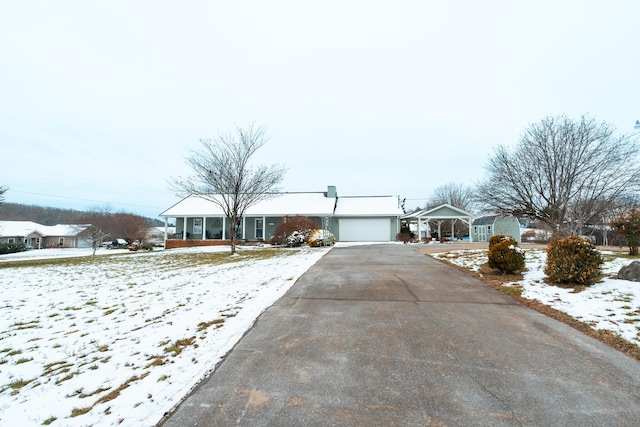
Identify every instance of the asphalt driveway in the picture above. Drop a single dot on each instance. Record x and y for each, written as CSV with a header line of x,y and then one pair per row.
x,y
382,335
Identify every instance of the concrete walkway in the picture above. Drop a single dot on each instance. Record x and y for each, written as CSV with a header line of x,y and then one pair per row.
x,y
384,336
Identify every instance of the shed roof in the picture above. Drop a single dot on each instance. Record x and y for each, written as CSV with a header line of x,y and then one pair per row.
x,y
485,220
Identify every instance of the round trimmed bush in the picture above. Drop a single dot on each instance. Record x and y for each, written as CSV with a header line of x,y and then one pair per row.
x,y
504,254
573,261
317,238
295,239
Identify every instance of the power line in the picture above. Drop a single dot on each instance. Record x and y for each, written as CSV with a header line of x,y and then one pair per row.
x,y
84,200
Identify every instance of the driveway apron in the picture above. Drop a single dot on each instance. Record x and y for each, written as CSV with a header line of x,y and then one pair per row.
x,y
382,335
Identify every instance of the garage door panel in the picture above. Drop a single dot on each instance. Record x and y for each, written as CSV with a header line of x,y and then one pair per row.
x,y
364,230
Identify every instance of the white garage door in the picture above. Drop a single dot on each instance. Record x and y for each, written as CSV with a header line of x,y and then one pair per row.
x,y
365,230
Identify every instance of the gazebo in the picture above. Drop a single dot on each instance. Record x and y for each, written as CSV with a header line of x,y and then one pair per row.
x,y
437,215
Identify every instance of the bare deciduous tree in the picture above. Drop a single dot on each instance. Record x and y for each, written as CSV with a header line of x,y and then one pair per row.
x,y
562,173
454,194
95,235
132,228
223,174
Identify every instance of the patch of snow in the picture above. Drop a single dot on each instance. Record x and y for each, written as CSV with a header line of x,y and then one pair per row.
x,y
125,338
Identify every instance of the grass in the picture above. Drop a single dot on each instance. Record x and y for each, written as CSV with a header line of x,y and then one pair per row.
x,y
177,347
203,326
18,384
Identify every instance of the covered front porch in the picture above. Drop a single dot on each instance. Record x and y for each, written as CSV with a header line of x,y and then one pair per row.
x,y
216,230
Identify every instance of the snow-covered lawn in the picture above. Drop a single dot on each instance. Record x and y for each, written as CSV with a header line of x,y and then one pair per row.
x,y
611,304
119,340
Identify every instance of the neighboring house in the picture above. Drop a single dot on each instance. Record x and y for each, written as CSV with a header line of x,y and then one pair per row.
x,y
421,221
351,218
40,236
484,227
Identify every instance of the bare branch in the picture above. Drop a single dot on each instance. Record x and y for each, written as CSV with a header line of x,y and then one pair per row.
x,y
224,175
562,173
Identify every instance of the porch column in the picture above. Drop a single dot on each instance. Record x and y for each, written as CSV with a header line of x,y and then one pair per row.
x,y
166,229
439,228
453,235
264,228
224,228
244,228
184,229
419,229
204,228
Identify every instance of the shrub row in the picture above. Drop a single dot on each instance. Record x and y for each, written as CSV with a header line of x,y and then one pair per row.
x,y
11,248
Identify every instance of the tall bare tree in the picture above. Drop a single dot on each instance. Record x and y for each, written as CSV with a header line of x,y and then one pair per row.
x,y
454,194
562,173
224,175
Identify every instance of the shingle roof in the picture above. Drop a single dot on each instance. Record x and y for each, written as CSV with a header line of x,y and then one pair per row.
x,y
308,204
368,206
25,228
485,220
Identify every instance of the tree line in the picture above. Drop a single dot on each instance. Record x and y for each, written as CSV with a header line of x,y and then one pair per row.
x,y
104,224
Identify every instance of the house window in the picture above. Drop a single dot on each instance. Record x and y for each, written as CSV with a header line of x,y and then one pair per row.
x,y
259,229
61,241
488,229
475,230
11,240
197,225
25,240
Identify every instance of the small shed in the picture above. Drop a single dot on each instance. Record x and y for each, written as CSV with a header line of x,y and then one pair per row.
x,y
484,227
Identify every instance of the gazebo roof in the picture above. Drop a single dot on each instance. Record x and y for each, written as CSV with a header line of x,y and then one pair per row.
x,y
444,211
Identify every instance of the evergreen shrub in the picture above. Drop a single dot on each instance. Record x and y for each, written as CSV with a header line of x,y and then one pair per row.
x,y
504,254
12,248
573,260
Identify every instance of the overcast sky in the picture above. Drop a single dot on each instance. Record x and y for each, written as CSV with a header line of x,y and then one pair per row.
x,y
101,101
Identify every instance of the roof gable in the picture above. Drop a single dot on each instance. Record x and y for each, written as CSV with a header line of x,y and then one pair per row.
x,y
443,211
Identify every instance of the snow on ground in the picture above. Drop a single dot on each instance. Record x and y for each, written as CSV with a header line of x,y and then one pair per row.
x,y
120,340
611,304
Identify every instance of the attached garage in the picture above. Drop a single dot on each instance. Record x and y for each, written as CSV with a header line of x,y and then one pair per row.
x,y
364,229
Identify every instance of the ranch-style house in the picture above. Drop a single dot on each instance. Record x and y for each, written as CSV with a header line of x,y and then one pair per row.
x,y
350,218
